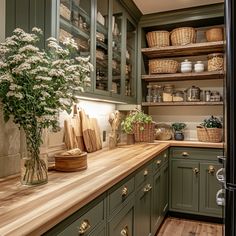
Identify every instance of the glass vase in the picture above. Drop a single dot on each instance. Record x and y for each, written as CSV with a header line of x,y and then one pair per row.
x,y
34,165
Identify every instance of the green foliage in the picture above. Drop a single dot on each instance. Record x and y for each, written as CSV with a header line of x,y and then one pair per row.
x,y
178,126
212,122
134,117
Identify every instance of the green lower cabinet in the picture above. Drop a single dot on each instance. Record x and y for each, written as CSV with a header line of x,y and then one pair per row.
x,y
184,185
123,222
164,189
143,210
208,189
156,202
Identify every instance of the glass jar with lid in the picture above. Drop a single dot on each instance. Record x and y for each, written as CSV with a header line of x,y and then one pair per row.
x,y
215,62
157,93
178,96
149,93
168,93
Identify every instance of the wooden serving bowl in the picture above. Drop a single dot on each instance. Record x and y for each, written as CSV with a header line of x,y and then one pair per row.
x,y
71,163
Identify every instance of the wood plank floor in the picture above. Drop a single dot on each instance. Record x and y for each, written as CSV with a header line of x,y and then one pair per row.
x,y
182,227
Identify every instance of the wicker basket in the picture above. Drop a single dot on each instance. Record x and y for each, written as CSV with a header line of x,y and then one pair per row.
x,y
213,135
144,132
157,66
158,38
214,34
183,36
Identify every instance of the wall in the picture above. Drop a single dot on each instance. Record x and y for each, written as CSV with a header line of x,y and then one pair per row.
x,y
2,20
53,142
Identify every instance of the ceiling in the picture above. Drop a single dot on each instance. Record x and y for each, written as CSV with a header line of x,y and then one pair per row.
x,y
152,6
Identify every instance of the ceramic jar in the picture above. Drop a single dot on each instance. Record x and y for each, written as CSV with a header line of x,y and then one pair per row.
x,y
199,67
186,66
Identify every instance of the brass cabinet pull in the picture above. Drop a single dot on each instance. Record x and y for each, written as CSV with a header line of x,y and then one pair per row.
x,y
147,188
165,155
211,169
145,173
158,162
195,171
125,231
124,192
84,227
185,154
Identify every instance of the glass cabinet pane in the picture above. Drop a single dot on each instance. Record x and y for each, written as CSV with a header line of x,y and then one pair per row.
x,y
75,20
130,59
102,45
116,47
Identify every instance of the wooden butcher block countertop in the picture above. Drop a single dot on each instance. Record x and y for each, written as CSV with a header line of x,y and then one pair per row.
x,y
34,210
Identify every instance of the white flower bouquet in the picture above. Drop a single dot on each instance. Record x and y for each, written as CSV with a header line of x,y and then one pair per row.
x,y
35,85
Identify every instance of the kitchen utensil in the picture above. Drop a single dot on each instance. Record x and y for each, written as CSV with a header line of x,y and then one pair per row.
x,y
68,135
193,94
96,128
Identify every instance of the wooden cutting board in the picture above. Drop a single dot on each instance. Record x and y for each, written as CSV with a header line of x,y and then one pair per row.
x,y
97,131
68,135
88,134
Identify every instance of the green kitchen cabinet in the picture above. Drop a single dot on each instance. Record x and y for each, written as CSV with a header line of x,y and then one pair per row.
x,y
143,210
185,185
164,189
193,183
208,189
122,224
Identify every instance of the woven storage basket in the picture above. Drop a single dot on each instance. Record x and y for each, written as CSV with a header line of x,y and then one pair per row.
x,y
144,132
214,34
213,135
183,36
157,66
158,38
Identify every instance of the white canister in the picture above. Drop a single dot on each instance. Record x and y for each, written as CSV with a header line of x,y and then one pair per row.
x,y
186,66
199,67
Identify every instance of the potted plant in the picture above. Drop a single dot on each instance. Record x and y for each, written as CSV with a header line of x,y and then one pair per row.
x,y
127,127
140,125
178,128
210,130
34,86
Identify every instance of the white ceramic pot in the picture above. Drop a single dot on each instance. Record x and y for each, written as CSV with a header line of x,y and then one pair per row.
x,y
199,67
186,66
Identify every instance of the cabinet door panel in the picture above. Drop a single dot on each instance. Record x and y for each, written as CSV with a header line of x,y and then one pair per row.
x,y
122,223
156,201
164,188
184,185
143,211
209,186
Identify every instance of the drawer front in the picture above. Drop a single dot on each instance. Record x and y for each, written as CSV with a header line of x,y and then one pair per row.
x,y
87,222
120,194
160,160
196,153
143,174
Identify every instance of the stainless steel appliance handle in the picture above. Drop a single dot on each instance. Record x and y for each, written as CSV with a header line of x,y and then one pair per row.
x,y
220,201
220,176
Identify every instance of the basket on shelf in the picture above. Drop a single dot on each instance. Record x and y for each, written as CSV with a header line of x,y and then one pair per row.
x,y
183,36
144,132
158,38
213,135
157,66
214,34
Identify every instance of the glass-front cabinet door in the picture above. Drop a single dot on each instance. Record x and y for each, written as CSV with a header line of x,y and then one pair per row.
x,y
102,46
130,56
75,22
117,28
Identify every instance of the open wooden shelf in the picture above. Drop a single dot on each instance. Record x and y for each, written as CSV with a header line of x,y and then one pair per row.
x,y
194,49
151,104
206,75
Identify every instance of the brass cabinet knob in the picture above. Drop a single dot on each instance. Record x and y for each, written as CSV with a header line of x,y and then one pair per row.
x,y
185,154
145,173
158,162
211,169
124,231
84,227
147,188
124,192
195,171
165,155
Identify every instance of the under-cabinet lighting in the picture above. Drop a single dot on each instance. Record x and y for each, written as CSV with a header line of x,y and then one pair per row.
x,y
100,100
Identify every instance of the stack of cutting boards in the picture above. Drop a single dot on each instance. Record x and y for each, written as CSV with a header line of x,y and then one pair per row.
x,y
82,132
